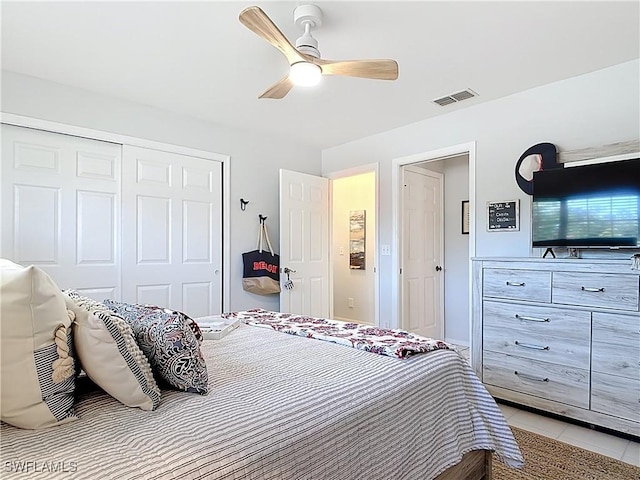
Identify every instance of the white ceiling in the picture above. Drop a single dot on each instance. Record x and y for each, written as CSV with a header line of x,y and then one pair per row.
x,y
197,59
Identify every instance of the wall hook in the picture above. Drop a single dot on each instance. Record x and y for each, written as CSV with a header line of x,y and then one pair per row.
x,y
262,218
243,204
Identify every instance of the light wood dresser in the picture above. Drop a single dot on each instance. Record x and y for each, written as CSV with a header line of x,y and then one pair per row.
x,y
560,335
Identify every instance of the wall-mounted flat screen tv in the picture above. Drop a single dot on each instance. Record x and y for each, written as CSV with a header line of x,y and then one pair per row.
x,y
587,206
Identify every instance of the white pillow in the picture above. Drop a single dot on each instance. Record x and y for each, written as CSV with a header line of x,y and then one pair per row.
x,y
37,380
109,355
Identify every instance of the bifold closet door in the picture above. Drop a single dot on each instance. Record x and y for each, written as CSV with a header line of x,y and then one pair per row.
x,y
60,208
172,231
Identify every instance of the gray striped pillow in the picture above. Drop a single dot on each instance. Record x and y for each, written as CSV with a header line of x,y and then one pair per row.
x,y
109,354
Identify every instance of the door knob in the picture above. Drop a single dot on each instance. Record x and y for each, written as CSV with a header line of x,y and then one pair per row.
x,y
438,268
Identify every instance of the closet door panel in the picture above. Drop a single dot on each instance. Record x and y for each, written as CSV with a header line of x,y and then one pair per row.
x,y
96,228
60,209
197,296
36,225
173,229
153,230
154,294
197,233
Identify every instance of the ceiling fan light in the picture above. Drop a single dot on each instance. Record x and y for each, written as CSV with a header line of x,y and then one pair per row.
x,y
305,74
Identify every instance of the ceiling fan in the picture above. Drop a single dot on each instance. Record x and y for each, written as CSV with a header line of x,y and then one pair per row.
x,y
306,65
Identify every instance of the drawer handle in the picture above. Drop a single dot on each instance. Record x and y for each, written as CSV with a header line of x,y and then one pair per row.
x,y
534,347
531,377
531,319
591,289
516,284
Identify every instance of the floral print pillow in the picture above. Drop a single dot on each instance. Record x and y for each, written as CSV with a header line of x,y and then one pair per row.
x,y
170,342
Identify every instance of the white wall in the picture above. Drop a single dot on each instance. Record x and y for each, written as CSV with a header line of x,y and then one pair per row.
x,y
255,159
598,108
353,193
456,251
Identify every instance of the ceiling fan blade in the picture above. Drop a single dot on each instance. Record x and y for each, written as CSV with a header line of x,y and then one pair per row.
x,y
278,89
259,23
376,69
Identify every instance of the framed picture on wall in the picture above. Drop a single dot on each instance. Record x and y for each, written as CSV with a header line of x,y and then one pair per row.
x,y
465,217
357,239
503,216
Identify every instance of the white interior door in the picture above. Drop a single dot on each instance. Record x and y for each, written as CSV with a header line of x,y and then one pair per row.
x,y
172,252
60,198
422,234
304,243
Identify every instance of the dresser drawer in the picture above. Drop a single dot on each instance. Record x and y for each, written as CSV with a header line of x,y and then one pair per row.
x,y
615,395
596,290
515,284
548,334
572,325
540,379
537,347
616,344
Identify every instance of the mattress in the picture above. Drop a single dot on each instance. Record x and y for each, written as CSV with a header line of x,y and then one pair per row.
x,y
279,407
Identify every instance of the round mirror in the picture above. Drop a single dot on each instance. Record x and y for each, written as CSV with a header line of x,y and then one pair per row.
x,y
530,164
539,157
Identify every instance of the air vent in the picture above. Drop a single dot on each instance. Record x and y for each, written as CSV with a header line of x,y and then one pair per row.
x,y
455,97
445,101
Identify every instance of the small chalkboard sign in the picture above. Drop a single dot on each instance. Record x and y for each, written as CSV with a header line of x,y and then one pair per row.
x,y
503,216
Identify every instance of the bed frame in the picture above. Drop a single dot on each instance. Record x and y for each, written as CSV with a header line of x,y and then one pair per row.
x,y
475,465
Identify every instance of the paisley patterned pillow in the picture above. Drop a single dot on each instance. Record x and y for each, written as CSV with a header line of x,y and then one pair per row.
x,y
169,342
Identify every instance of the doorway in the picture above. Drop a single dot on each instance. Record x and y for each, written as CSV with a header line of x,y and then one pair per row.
x,y
354,232
456,164
307,248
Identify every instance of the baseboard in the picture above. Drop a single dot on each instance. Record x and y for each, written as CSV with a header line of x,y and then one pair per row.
x,y
462,343
351,320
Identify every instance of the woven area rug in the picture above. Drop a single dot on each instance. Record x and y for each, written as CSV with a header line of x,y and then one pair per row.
x,y
548,459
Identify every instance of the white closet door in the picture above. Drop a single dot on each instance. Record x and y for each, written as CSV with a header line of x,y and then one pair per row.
x,y
172,231
61,208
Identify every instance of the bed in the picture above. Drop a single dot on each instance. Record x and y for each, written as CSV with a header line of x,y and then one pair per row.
x,y
283,407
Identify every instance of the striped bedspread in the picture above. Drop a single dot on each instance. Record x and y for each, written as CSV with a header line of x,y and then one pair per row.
x,y
279,407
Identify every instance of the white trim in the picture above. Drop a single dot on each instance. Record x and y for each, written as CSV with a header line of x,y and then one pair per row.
x,y
350,172
433,155
226,235
62,128
330,246
55,127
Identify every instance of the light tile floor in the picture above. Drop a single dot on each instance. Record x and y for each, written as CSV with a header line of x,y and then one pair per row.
x,y
610,445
